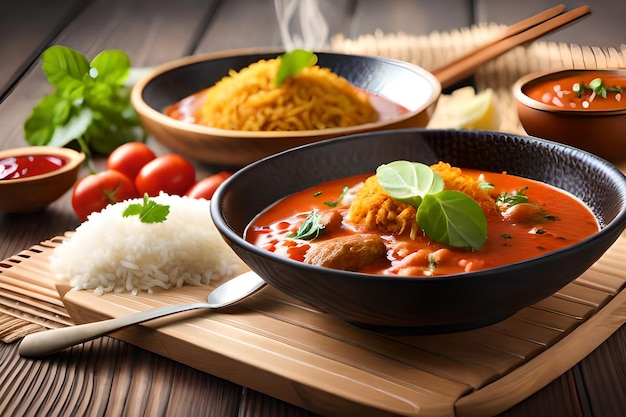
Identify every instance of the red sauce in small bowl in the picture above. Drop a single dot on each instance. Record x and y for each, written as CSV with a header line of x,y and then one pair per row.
x,y
573,92
30,165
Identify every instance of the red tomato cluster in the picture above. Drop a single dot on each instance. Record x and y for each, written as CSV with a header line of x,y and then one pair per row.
x,y
133,170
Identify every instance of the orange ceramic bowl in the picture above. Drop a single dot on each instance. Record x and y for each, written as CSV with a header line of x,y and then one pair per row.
x,y
601,131
31,193
399,82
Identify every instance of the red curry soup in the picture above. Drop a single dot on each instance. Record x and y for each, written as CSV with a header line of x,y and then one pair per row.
x,y
581,91
524,219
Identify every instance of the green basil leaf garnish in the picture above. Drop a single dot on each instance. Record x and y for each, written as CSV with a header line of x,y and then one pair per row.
x,y
446,216
453,218
408,181
292,63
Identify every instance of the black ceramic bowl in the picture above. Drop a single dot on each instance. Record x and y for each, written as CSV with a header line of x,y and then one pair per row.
x,y
402,83
424,305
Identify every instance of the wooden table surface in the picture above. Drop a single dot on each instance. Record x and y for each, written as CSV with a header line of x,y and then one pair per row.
x,y
107,377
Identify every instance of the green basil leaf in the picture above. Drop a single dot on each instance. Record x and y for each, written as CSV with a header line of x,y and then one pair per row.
x,y
103,136
453,218
408,182
65,68
61,112
112,67
73,129
292,63
91,102
39,125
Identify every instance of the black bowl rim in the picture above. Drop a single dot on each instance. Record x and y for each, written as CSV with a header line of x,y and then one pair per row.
x,y
156,115
617,223
522,98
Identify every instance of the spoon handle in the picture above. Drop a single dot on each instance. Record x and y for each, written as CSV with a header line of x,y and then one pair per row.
x,y
52,341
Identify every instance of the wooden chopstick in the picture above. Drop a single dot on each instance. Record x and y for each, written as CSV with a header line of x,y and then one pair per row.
x,y
515,35
526,24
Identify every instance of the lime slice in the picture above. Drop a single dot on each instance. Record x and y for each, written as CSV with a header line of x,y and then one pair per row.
x,y
466,109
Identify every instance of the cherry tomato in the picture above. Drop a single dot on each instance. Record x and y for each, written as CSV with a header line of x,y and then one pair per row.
x,y
206,187
94,192
129,158
171,173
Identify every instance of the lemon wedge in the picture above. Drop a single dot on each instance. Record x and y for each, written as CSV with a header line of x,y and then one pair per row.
x,y
466,109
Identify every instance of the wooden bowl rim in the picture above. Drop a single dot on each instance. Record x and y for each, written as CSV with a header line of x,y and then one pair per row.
x,y
158,117
74,160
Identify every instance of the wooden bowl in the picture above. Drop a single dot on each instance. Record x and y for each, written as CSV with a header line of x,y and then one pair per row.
x,y
400,82
602,132
414,305
33,193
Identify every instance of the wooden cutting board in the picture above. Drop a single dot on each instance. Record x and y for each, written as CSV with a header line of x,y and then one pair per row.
x,y
281,347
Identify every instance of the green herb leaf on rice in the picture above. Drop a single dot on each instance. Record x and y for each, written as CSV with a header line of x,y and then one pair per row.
x,y
149,212
292,63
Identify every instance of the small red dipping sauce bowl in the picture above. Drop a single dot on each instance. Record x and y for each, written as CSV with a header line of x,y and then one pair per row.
x,y
35,176
583,108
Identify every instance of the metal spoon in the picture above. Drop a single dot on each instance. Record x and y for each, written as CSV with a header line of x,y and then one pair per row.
x,y
53,341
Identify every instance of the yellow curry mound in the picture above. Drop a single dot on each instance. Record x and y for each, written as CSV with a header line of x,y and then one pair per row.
x,y
315,99
374,209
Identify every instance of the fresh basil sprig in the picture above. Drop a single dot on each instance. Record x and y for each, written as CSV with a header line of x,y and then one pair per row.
x,y
292,63
90,103
446,216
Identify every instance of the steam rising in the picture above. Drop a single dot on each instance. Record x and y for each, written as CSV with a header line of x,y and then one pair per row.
x,y
302,24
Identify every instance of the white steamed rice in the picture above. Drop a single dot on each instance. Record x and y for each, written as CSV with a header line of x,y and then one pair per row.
x,y
112,253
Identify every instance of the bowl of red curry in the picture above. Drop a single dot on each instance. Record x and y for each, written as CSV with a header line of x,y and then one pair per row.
x,y
33,177
419,231
585,108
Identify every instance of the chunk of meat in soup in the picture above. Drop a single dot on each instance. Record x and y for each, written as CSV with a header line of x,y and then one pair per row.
x,y
331,220
348,253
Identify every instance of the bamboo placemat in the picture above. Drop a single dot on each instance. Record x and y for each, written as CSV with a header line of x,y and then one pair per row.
x,y
29,300
279,346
